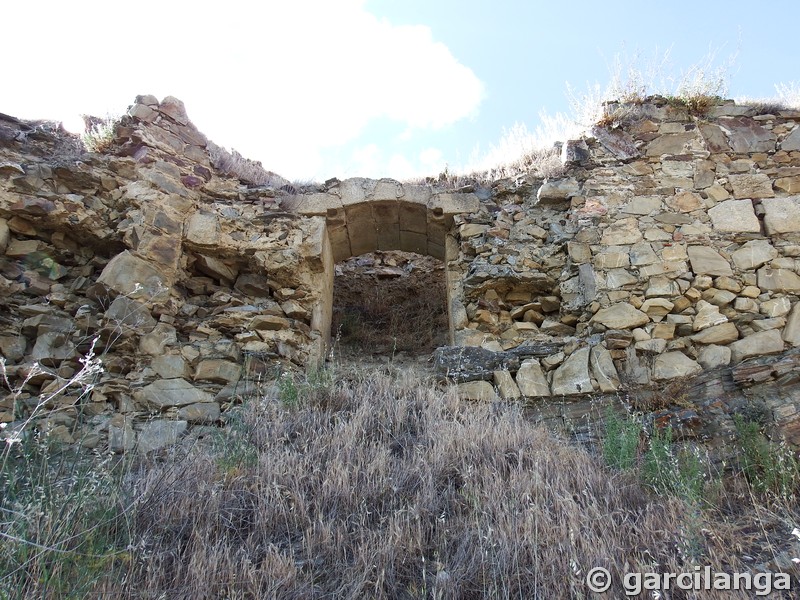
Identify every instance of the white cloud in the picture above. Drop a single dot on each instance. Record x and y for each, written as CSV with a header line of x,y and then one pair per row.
x,y
431,158
277,80
366,159
399,167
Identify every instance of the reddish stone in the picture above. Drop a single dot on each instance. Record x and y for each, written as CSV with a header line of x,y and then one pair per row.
x,y
33,206
202,172
190,181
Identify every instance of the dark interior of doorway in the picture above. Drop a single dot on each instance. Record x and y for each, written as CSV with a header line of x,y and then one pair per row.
x,y
389,303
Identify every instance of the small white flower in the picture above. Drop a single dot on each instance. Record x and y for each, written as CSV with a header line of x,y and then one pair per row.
x,y
796,532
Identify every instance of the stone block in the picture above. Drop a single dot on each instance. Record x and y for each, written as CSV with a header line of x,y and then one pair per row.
x,y
504,382
777,307
168,393
413,242
782,215
642,205
453,203
155,342
477,390
252,284
200,413
791,142
612,260
707,261
672,365
159,434
216,268
724,333
734,216
24,248
217,371
778,280
558,190
572,377
385,213
170,366
791,333
622,232
319,204
130,313
685,201
712,356
12,347
751,186
603,369
4,235
790,185
757,344
531,380
134,277
413,217
671,143
53,347
202,229
746,136
753,254
620,316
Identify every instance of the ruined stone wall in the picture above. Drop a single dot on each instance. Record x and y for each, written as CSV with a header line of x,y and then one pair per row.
x,y
191,284
668,247
670,227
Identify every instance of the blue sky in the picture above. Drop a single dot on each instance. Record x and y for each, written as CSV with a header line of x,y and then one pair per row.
x,y
339,88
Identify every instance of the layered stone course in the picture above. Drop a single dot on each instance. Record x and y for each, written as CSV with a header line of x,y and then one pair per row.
x,y
668,248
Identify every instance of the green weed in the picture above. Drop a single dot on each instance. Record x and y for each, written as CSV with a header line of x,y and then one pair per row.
x,y
768,466
621,441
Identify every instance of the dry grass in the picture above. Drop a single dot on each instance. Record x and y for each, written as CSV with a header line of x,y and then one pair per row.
x,y
518,152
250,171
99,133
374,487
393,490
787,97
377,488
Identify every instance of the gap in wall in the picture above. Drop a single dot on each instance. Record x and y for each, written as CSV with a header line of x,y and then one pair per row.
x,y
389,303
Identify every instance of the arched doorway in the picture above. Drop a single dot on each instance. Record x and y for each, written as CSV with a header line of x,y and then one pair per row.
x,y
365,216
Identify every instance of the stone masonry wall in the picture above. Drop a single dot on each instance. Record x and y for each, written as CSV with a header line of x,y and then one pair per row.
x,y
668,249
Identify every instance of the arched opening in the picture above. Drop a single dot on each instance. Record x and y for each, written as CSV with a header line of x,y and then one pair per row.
x,y
389,303
364,216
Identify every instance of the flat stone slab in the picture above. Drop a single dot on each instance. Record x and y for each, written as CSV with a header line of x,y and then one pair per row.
x,y
753,254
672,365
477,390
707,261
167,393
735,216
782,215
620,316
